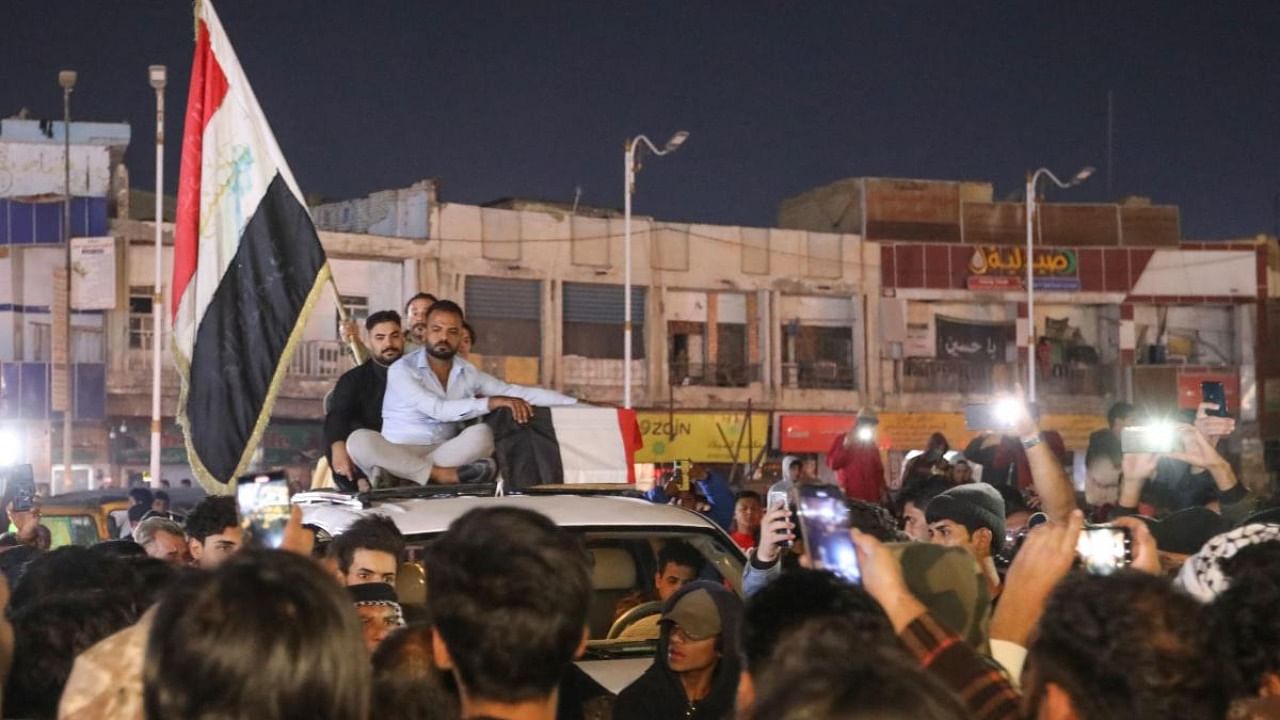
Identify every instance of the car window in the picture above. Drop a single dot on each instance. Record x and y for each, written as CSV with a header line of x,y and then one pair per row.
x,y
71,530
623,577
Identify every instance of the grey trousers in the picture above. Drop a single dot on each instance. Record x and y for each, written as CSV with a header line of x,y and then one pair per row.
x,y
370,450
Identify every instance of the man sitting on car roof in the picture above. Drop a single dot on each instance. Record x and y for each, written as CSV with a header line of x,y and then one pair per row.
x,y
430,393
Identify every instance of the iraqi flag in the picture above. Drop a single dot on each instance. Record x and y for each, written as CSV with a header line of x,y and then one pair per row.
x,y
567,445
248,265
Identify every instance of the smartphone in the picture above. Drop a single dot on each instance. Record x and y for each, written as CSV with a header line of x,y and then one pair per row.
x,y
778,499
262,501
1104,549
824,520
1149,439
20,487
998,416
1214,392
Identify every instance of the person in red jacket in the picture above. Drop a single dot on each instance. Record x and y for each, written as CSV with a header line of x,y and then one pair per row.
x,y
856,459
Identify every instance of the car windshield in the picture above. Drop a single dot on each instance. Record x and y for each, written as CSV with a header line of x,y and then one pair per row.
x,y
625,576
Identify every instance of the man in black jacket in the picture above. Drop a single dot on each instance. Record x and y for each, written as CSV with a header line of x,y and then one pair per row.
x,y
356,402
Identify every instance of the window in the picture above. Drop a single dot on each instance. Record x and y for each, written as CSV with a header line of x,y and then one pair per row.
x,y
141,322
593,324
817,342
818,357
698,355
506,315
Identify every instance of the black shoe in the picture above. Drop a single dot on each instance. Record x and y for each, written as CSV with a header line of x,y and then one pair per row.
x,y
480,471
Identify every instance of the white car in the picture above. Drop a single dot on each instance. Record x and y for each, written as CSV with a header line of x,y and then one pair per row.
x,y
623,535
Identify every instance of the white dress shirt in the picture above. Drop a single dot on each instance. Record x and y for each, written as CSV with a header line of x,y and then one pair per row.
x,y
416,410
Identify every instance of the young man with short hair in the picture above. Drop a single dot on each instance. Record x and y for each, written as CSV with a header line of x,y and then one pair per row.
x,y
356,401
972,517
379,610
679,563
912,501
747,513
430,393
545,592
368,552
415,318
213,531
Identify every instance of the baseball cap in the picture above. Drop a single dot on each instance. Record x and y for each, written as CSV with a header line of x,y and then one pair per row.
x,y
696,614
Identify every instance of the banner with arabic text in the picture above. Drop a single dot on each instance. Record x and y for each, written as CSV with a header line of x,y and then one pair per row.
x,y
972,340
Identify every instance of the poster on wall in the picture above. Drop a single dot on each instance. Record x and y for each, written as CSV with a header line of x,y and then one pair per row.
x,y
93,273
971,340
917,342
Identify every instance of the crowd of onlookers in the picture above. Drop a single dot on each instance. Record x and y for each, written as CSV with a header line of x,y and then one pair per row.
x,y
974,601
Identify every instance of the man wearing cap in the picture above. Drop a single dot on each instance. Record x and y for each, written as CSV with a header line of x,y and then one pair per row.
x,y
856,459
379,611
695,673
972,517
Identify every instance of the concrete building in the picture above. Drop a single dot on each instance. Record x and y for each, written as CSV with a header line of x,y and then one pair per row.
x,y
32,193
1125,308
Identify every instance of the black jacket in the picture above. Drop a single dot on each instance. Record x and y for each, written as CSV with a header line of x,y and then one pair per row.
x,y
356,404
658,694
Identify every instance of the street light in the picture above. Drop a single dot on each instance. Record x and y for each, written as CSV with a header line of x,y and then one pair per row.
x,y
1032,180
629,160
158,76
67,80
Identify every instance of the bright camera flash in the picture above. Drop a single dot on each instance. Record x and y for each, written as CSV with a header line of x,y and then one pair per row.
x,y
865,434
1006,410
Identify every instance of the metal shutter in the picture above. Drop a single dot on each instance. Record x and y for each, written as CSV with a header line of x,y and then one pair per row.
x,y
503,298
592,303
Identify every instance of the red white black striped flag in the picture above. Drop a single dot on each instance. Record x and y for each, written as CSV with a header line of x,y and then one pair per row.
x,y
248,265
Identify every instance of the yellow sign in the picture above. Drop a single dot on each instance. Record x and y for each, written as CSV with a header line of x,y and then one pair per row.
x,y
701,437
911,430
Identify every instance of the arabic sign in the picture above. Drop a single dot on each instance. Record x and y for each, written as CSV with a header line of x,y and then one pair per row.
x,y
697,436
998,268
971,340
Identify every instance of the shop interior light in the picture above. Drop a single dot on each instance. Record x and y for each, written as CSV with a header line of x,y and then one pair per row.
x,y
10,448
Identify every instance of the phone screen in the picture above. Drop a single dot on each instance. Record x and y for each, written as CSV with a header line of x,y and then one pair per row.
x,y
263,505
1149,439
1104,549
824,520
1214,392
20,487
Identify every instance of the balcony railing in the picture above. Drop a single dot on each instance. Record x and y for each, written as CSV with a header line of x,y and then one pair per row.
x,y
713,375
928,375
312,360
820,375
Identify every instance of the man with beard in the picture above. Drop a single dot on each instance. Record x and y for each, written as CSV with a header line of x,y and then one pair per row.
x,y
430,393
356,403
415,320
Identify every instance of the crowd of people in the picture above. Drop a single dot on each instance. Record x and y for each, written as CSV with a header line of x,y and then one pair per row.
x,y
974,600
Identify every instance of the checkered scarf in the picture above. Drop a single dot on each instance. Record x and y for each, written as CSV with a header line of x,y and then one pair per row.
x,y
1202,575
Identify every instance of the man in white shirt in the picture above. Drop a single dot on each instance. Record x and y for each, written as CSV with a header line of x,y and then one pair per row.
x,y
430,393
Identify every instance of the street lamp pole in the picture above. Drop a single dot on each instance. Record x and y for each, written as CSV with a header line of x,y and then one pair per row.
x,y
157,74
629,180
67,79
1032,179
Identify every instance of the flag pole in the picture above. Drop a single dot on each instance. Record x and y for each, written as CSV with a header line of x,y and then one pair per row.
x,y
158,77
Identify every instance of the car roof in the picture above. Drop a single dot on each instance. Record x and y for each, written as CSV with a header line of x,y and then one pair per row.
x,y
426,516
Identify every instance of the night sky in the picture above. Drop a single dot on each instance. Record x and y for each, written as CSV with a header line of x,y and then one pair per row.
x,y
535,99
